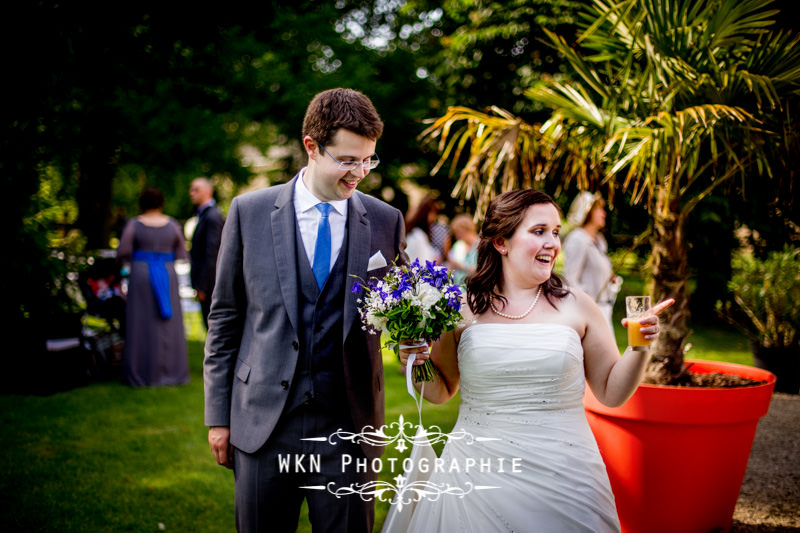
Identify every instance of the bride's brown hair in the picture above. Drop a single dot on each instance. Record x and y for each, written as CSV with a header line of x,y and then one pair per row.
x,y
504,215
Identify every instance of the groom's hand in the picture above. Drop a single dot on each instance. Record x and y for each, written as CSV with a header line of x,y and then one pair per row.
x,y
219,440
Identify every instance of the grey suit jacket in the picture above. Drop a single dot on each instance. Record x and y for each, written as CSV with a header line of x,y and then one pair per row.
x,y
252,345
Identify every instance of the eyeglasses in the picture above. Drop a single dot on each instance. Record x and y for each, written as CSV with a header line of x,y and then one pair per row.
x,y
350,166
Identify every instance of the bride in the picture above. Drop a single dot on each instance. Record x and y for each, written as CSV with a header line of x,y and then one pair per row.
x,y
527,348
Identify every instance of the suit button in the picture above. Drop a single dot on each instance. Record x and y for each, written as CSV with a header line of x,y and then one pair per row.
x,y
295,345
285,384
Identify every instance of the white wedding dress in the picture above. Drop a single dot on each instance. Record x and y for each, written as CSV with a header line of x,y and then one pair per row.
x,y
522,386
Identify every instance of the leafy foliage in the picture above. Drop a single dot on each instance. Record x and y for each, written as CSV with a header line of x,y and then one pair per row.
x,y
487,52
170,96
767,293
158,96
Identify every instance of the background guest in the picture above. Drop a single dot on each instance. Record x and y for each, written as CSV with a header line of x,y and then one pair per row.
x,y
420,221
155,344
205,243
586,262
462,256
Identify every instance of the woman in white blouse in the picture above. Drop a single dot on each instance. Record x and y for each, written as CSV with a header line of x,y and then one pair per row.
x,y
586,262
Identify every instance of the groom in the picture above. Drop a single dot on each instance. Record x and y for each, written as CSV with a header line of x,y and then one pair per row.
x,y
286,358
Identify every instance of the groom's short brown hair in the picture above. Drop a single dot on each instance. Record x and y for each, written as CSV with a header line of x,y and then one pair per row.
x,y
341,108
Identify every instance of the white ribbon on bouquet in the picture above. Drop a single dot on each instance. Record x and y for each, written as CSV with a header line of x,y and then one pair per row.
x,y
399,516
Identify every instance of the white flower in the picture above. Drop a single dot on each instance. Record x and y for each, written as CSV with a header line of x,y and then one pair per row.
x,y
428,295
377,323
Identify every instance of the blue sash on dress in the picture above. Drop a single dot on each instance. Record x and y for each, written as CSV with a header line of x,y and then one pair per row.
x,y
159,278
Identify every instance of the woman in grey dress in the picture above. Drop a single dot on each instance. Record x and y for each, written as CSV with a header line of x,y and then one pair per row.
x,y
155,344
586,262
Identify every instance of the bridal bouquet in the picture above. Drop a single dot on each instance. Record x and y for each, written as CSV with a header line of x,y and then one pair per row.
x,y
411,303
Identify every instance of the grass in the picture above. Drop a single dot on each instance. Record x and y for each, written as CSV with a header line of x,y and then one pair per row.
x,y
107,457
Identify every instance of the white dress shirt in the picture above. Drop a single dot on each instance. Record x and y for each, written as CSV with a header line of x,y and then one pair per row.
x,y
308,217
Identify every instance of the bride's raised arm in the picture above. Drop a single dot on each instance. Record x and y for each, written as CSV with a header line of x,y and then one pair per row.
x,y
614,379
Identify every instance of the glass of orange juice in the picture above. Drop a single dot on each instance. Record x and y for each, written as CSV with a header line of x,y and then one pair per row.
x,y
636,308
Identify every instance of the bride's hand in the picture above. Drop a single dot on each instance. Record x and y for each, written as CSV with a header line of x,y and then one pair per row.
x,y
650,327
405,350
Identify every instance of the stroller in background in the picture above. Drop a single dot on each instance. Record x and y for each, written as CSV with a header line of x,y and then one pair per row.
x,y
103,287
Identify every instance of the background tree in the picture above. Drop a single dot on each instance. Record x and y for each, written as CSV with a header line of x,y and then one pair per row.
x,y
669,101
159,96
488,52
479,54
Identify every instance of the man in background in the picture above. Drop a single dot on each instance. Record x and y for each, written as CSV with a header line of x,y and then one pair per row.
x,y
205,242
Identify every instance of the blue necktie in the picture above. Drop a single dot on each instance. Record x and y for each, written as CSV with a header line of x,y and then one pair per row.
x,y
322,251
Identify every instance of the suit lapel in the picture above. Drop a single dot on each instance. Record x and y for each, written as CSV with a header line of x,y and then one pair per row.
x,y
200,227
358,247
283,223
359,239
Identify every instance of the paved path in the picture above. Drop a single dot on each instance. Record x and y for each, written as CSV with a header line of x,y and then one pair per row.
x,y
770,495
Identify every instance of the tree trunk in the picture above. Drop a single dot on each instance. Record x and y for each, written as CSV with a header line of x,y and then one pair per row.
x,y
670,271
95,174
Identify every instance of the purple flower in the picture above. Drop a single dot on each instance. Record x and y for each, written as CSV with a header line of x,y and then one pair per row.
x,y
453,295
356,287
383,294
403,285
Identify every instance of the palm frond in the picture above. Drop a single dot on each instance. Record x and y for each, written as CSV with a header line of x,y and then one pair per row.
x,y
666,98
739,23
502,151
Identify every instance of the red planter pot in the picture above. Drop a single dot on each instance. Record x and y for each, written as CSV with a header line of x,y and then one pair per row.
x,y
676,456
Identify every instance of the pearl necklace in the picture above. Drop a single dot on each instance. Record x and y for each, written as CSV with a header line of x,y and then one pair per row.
x,y
523,315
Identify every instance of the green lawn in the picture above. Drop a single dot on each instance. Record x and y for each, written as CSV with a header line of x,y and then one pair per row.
x,y
107,457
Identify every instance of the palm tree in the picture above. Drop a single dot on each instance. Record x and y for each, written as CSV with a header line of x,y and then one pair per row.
x,y
670,100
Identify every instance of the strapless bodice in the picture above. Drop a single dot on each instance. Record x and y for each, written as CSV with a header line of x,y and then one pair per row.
x,y
521,368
